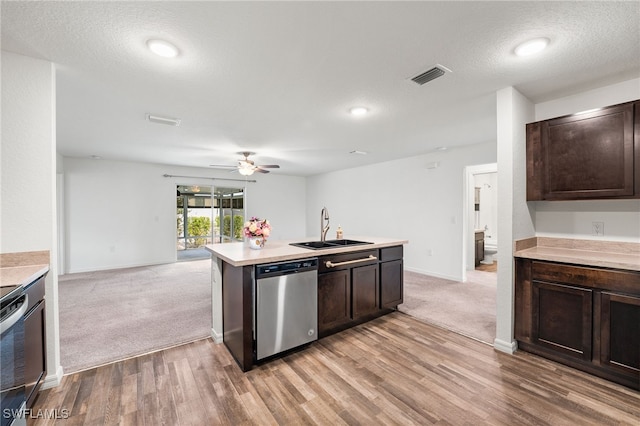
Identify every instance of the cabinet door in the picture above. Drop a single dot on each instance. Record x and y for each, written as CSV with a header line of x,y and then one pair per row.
x,y
562,318
334,300
35,363
365,290
620,333
391,284
588,155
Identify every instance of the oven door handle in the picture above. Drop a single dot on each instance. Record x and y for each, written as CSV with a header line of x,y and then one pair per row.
x,y
8,322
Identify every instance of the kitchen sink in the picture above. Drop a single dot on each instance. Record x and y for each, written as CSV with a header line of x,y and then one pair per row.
x,y
319,245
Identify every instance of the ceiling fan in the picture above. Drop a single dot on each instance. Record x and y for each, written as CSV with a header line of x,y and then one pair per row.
x,y
247,167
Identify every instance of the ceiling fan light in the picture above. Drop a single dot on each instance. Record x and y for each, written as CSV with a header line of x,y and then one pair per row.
x,y
245,171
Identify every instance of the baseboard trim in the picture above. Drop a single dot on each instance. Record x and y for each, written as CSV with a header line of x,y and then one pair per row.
x,y
217,337
53,380
433,274
123,266
504,346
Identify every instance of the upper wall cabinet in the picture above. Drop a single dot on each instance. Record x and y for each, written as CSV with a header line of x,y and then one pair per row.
x,y
589,155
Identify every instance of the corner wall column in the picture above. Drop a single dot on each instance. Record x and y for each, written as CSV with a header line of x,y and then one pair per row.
x,y
514,216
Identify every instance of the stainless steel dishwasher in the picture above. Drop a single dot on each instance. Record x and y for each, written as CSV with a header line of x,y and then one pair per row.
x,y
286,306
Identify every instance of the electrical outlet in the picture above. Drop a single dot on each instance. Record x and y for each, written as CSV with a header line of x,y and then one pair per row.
x,y
597,229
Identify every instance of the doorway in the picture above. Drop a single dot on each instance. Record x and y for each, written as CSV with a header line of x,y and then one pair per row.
x,y
480,233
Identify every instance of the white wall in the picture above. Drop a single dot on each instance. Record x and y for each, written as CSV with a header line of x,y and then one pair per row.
x,y
122,214
403,199
573,219
28,213
515,220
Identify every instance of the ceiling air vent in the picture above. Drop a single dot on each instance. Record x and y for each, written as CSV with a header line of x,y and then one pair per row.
x,y
432,74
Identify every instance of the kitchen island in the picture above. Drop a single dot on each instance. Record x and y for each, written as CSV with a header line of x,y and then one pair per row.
x,y
355,284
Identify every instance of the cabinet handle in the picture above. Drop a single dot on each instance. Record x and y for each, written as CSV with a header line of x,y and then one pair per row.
x,y
330,264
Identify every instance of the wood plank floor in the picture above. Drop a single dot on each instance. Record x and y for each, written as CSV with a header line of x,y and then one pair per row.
x,y
393,370
488,268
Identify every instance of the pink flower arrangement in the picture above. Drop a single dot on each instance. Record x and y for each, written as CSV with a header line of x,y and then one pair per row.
x,y
256,227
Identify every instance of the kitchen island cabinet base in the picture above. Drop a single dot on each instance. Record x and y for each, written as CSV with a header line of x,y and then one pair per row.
x,y
237,313
346,297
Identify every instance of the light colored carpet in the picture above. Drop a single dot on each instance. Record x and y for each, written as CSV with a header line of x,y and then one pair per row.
x,y
466,308
106,316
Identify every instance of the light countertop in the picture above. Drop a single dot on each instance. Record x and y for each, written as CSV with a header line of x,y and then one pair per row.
x,y
22,268
605,254
21,275
239,254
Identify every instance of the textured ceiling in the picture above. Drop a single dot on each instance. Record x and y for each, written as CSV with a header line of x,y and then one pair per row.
x,y
278,78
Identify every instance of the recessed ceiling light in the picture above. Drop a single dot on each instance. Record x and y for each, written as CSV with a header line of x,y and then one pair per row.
x,y
162,48
358,152
532,46
164,120
441,148
358,111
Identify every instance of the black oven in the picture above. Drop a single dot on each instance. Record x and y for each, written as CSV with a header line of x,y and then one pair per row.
x,y
13,306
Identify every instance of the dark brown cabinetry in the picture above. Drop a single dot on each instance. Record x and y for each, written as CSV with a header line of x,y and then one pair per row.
x,y
562,318
359,286
353,287
588,155
334,300
479,247
585,317
365,291
348,290
391,277
35,368
620,333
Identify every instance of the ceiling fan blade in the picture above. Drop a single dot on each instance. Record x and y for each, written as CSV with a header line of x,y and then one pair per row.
x,y
269,166
220,166
259,170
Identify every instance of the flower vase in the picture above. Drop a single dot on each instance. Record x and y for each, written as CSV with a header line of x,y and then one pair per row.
x,y
256,243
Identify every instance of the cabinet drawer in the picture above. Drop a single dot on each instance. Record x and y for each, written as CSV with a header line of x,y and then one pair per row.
x,y
347,257
604,279
390,253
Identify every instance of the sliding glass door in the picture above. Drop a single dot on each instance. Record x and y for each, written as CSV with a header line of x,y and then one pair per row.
x,y
194,217
229,219
207,215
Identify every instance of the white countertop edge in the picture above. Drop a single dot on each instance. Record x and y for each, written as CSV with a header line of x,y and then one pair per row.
x,y
239,254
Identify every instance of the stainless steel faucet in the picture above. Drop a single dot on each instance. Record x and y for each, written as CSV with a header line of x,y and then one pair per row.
x,y
324,215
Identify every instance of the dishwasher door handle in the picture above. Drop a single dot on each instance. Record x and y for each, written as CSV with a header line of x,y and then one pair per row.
x,y
330,264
